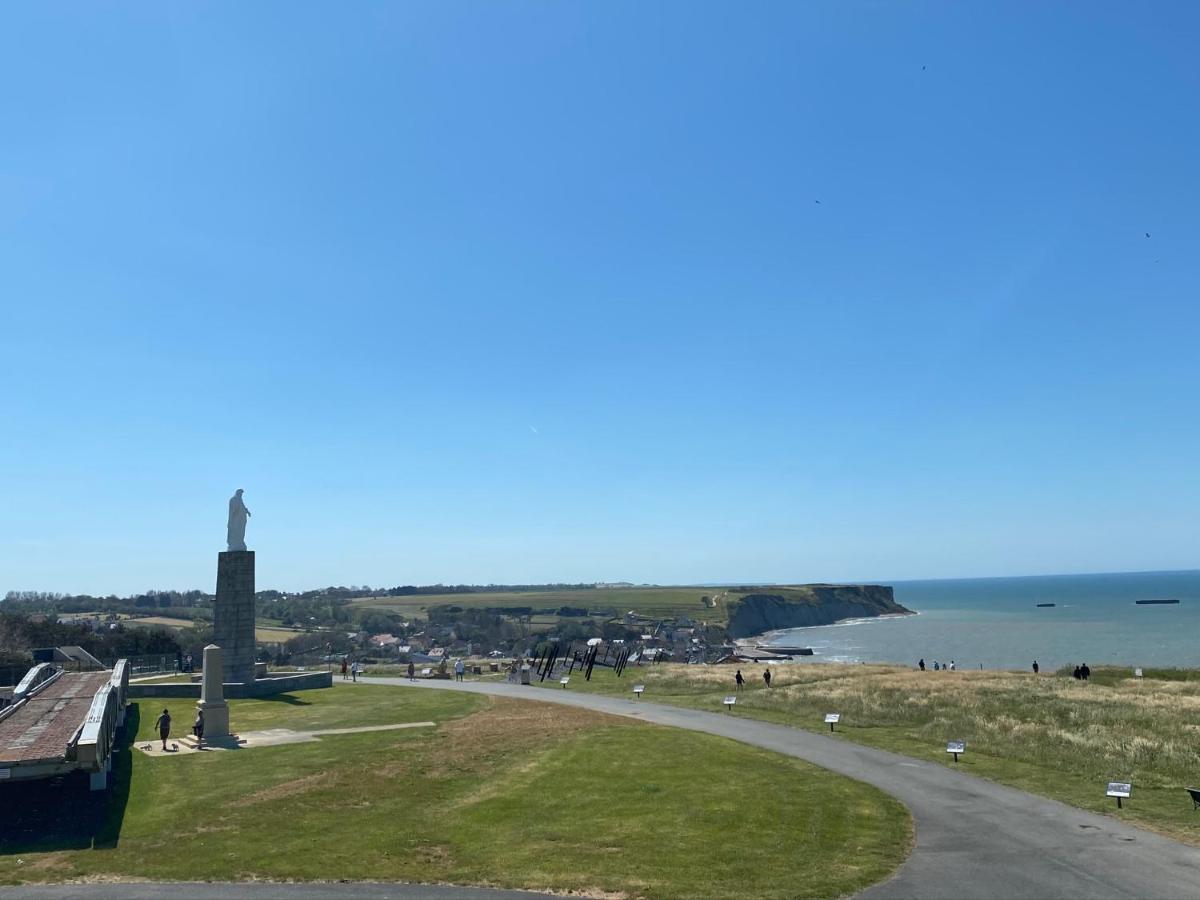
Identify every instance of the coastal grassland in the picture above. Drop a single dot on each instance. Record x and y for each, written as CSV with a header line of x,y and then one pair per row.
x,y
649,601
1048,734
503,792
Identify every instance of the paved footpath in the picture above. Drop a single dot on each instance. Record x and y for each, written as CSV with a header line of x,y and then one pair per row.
x,y
975,838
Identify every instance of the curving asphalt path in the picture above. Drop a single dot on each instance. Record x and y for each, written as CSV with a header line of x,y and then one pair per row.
x,y
976,840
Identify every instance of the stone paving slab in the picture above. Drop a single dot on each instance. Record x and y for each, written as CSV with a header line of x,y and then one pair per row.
x,y
270,737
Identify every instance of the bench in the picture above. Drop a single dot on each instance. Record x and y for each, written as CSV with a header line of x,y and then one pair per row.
x,y
1194,793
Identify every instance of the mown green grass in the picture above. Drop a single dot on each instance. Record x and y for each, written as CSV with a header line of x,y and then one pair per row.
x,y
1048,734
505,792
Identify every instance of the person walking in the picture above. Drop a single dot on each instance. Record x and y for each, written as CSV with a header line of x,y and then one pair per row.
x,y
412,671
1035,667
458,669
1084,672
198,728
163,724
739,679
354,671
1076,674
767,676
345,668
953,667
921,664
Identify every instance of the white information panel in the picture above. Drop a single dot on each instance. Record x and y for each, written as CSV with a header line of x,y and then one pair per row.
x,y
1119,789
833,717
639,688
956,747
730,700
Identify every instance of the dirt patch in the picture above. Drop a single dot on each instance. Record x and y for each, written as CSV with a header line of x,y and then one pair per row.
x,y
494,737
286,789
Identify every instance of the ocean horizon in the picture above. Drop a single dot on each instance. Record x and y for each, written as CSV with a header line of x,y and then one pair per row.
x,y
996,623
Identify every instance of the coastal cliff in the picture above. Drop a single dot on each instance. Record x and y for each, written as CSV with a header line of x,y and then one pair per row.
x,y
757,610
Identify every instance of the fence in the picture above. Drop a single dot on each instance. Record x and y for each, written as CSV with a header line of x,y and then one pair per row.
x,y
148,665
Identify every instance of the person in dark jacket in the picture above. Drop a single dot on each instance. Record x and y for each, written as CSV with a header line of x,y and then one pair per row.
x,y
767,676
198,728
739,679
163,724
1035,667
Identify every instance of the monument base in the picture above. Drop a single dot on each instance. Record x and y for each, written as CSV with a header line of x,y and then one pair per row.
x,y
216,719
233,614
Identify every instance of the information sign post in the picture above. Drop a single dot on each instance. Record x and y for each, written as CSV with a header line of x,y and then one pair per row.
x,y
1119,789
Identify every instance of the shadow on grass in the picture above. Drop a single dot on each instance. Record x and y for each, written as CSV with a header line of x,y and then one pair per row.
x,y
62,813
289,699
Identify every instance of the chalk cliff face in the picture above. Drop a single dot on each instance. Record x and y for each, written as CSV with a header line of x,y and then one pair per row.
x,y
767,609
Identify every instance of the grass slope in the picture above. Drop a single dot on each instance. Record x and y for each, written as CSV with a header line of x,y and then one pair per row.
x,y
1048,734
511,793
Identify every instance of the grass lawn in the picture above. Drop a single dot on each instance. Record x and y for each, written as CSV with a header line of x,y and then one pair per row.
x,y
1048,734
502,792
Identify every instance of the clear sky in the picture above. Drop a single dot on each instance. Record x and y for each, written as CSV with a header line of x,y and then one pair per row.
x,y
665,292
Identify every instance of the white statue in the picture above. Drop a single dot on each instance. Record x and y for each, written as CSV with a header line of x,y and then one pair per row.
x,y
236,533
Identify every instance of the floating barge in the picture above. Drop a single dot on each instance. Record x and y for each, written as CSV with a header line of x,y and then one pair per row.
x,y
1155,602
1045,604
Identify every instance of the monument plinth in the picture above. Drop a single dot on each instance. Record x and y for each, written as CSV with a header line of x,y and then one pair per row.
x,y
212,694
233,615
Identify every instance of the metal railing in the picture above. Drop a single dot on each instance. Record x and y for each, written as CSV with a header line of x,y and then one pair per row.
x,y
92,747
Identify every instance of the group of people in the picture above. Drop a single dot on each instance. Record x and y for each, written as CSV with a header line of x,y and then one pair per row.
x,y
937,666
351,669
163,724
1081,673
740,680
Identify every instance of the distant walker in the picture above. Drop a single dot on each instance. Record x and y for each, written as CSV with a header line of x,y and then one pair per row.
x,y
236,530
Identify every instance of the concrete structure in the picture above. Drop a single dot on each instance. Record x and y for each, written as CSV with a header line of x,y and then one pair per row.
x,y
61,722
233,614
262,687
212,696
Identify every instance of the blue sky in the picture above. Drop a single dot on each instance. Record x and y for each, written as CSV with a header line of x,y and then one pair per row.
x,y
473,292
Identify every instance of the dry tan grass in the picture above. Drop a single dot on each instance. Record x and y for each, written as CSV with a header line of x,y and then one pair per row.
x,y
1139,729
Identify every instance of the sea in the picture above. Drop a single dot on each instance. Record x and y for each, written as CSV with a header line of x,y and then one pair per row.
x,y
996,623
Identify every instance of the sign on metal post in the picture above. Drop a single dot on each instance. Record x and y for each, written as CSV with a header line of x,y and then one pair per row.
x,y
564,681
1119,789
956,747
729,701
832,719
1137,673
638,689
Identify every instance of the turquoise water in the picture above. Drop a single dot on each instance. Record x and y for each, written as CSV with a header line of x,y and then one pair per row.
x,y
995,622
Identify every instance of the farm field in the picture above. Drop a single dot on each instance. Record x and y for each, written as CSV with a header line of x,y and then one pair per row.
x,y
1048,734
587,793
650,601
158,621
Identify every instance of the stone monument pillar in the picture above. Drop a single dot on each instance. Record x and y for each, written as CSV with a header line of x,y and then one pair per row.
x,y
212,694
233,614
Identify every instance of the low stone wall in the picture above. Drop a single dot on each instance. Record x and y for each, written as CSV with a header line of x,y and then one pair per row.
x,y
263,687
